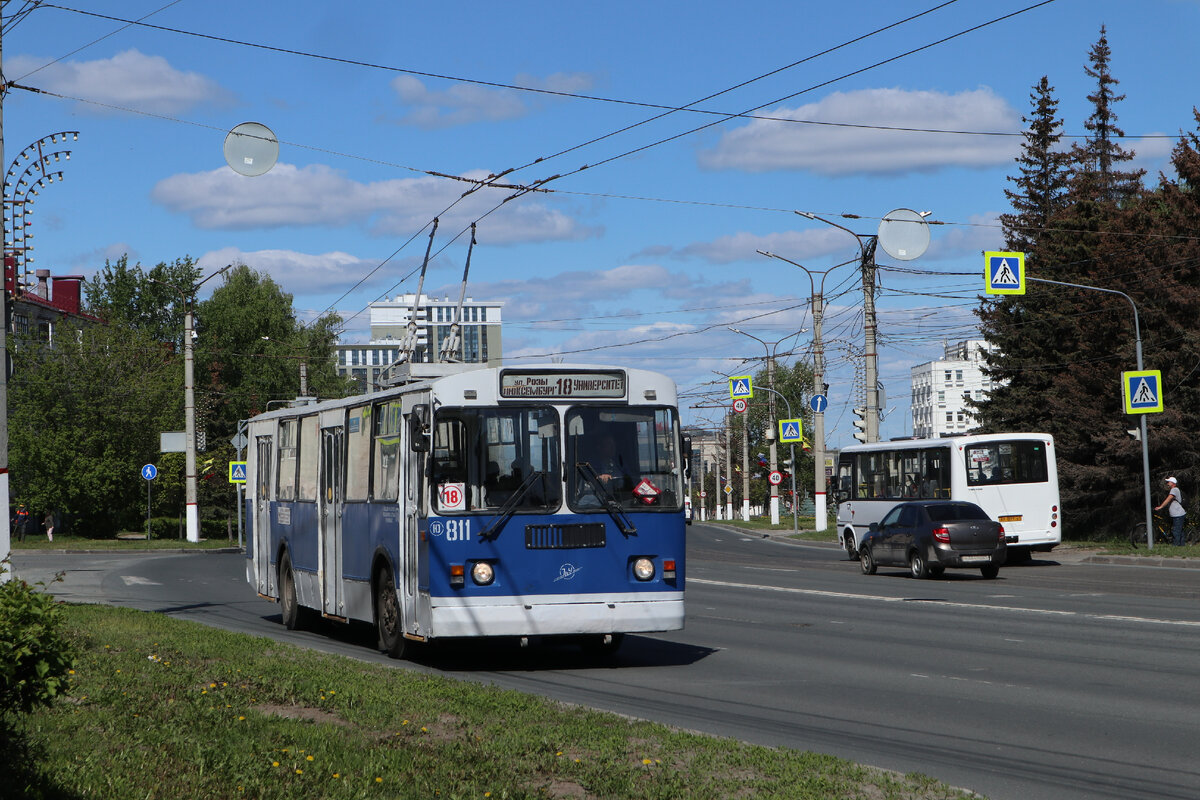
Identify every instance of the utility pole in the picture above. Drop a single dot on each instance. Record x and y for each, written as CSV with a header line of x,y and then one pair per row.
x,y
870,328
745,471
817,293
729,466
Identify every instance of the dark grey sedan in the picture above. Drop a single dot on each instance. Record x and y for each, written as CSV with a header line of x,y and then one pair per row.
x,y
928,536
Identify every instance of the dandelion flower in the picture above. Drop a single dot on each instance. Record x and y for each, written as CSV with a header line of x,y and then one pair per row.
x,y
647,761
274,763
378,779
309,758
299,771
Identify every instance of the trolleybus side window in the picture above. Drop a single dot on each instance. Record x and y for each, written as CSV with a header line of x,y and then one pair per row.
x,y
309,444
288,460
386,473
485,458
358,453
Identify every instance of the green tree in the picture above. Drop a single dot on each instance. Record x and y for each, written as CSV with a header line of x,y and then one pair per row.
x,y
147,300
250,349
1042,182
84,415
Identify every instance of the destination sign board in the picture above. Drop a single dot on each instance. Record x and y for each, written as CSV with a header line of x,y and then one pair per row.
x,y
557,385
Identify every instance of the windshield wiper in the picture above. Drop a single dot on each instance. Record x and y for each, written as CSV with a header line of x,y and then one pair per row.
x,y
510,506
610,503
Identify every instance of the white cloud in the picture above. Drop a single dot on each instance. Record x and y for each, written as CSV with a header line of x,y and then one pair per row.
x,y
765,145
794,245
129,79
298,273
318,195
466,103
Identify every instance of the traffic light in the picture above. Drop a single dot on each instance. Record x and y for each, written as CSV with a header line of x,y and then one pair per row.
x,y
861,424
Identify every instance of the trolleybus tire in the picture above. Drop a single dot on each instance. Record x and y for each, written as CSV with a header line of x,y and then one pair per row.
x,y
289,607
867,561
387,615
851,551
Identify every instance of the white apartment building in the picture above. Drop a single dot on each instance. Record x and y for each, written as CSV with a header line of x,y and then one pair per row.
x,y
478,330
939,389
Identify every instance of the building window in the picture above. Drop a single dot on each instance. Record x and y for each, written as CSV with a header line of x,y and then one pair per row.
x,y
958,375
949,417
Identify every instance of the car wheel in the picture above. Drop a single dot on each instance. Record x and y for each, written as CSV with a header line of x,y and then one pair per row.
x,y
917,566
990,571
387,614
866,560
289,606
851,550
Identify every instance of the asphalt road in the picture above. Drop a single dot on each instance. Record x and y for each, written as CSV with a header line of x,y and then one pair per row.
x,y
1057,680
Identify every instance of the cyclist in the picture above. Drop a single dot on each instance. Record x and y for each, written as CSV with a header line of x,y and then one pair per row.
x,y
1174,505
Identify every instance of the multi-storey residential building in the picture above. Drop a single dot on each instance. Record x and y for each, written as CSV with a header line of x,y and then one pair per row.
x,y
940,389
479,336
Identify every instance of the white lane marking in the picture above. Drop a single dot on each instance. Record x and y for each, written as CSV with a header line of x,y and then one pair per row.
x,y
136,580
947,603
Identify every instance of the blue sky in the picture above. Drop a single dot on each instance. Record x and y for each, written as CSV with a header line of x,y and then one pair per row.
x,y
645,257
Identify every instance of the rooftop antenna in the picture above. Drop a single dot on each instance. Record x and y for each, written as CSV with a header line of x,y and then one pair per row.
x,y
452,346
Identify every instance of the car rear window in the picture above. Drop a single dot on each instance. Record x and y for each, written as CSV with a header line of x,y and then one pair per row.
x,y
949,513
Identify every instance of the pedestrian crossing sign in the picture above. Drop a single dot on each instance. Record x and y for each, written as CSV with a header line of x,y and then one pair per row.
x,y
237,471
1143,391
791,431
1004,272
741,388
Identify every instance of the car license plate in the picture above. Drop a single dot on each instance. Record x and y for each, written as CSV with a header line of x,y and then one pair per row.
x,y
975,559
1011,518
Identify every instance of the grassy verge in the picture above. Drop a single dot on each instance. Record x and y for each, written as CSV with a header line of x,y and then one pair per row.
x,y
163,708
83,543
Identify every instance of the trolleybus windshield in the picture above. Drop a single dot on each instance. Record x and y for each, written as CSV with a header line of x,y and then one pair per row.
x,y
483,456
628,453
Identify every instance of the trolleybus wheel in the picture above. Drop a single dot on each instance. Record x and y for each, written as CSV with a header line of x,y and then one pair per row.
x,y
387,614
288,605
851,551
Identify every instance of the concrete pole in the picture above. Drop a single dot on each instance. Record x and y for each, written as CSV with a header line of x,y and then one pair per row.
x,y
771,422
820,510
869,332
729,466
192,509
745,470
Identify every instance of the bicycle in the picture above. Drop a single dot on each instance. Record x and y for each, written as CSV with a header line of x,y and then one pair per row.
x,y
1162,533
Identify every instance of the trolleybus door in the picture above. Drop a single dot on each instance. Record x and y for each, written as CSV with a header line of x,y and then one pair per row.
x,y
413,617
262,515
333,482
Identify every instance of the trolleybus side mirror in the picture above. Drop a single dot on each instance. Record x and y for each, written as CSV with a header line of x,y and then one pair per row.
x,y
418,428
687,456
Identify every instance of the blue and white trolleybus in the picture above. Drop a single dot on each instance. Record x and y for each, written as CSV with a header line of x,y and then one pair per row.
x,y
492,502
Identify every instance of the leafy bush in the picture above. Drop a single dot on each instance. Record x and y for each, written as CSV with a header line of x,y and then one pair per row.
x,y
35,655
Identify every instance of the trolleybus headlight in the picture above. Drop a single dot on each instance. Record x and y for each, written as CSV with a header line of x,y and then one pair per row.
x,y
482,573
643,569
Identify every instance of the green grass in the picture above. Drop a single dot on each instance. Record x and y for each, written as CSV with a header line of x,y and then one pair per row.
x,y
162,708
63,542
806,526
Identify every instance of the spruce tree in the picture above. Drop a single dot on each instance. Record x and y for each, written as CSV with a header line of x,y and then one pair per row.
x,y
1042,182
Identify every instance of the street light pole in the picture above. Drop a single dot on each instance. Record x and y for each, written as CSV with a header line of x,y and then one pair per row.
x,y
191,504
866,248
817,292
